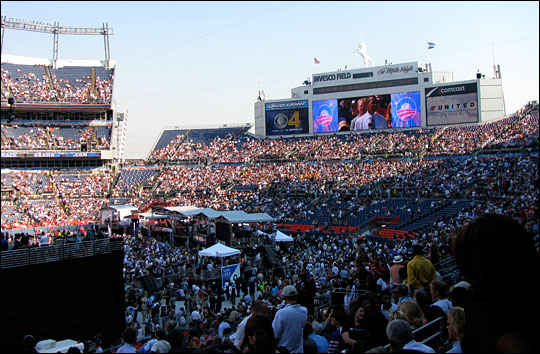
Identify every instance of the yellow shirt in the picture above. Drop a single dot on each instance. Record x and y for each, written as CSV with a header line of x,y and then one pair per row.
x,y
420,272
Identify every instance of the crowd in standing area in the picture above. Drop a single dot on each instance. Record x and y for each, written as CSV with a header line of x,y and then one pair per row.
x,y
380,291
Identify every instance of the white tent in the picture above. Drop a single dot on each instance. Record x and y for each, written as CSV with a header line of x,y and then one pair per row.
x,y
218,250
281,237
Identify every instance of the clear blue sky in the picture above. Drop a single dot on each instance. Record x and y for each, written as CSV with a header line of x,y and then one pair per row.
x,y
199,63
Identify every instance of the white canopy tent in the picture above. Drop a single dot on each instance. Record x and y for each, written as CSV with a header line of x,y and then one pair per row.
x,y
219,250
278,236
116,213
234,216
281,237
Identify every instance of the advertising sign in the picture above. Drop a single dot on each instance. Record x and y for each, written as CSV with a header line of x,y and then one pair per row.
x,y
287,118
452,104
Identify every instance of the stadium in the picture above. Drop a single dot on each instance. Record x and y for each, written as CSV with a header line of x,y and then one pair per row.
x,y
308,195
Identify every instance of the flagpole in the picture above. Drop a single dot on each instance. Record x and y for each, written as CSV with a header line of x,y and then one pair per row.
x,y
427,51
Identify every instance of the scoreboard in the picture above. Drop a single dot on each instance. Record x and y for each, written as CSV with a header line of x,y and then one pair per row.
x,y
406,96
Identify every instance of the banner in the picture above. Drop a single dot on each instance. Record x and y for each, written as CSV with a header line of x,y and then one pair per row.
x,y
406,110
231,272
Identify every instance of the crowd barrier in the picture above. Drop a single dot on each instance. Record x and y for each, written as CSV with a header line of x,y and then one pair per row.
x,y
54,253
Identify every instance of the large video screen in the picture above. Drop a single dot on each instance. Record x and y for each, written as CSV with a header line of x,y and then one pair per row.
x,y
396,110
452,104
287,118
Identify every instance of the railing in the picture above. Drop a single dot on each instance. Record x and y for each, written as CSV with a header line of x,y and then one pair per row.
x,y
54,253
430,334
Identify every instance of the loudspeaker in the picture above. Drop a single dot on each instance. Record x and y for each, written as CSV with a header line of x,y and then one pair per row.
x,y
149,284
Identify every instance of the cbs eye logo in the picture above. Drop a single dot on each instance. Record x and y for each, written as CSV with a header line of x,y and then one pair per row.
x,y
281,120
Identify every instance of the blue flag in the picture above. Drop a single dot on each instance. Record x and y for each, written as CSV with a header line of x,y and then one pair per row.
x,y
430,45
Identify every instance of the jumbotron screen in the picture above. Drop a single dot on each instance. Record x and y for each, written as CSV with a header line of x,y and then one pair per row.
x,y
396,110
287,118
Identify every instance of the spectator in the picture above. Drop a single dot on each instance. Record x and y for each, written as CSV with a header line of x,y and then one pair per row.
x,y
456,328
420,271
400,335
259,335
403,293
394,269
174,336
356,333
161,345
387,305
222,325
309,343
338,320
130,340
414,313
439,294
497,256
259,308
320,342
289,322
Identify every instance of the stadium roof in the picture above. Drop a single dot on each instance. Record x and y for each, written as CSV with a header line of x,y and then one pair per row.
x,y
234,217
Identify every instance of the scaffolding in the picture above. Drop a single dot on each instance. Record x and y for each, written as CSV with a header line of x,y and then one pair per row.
x,y
56,29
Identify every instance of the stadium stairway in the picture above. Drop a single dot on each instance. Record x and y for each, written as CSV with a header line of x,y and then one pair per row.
x,y
400,234
271,254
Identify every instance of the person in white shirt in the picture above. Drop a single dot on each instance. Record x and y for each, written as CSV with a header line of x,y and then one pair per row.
x,y
259,308
222,325
371,119
130,339
44,240
289,322
400,335
387,306
439,293
161,345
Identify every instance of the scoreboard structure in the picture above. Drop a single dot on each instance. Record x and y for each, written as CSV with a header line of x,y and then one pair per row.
x,y
407,96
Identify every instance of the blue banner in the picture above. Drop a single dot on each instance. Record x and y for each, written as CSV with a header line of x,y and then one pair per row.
x,y
325,116
406,110
231,272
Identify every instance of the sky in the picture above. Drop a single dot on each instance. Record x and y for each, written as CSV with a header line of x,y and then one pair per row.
x,y
192,64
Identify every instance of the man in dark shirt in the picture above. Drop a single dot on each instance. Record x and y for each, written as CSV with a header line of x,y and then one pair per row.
x,y
174,336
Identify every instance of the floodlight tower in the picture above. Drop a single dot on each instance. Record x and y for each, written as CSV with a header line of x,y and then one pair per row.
x,y
56,29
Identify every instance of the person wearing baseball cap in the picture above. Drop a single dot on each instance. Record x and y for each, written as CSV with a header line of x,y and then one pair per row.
x,y
289,322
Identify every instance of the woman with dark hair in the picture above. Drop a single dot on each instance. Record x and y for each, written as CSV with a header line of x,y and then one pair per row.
x,y
356,333
258,335
497,256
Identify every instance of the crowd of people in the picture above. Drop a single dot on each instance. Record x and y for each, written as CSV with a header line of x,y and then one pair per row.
x,y
51,137
374,287
518,130
46,198
36,86
380,291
